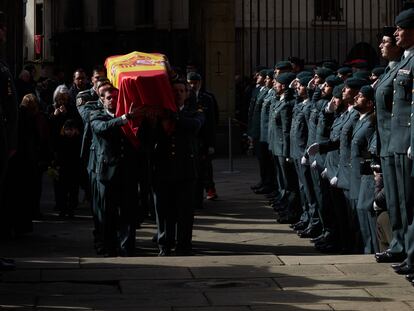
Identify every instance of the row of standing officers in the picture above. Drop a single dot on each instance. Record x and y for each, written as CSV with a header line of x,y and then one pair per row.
x,y
314,135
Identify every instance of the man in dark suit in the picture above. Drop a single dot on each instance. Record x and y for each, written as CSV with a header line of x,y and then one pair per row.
x,y
384,102
117,177
175,172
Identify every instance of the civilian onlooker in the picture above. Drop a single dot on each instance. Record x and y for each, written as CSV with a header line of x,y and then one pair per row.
x,y
68,165
24,85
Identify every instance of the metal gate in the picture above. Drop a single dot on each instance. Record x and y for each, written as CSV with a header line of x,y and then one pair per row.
x,y
268,31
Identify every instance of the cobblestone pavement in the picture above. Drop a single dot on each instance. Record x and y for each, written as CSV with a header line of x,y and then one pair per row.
x,y
243,260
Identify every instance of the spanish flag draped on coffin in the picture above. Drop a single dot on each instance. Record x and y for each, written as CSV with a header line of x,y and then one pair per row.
x,y
142,79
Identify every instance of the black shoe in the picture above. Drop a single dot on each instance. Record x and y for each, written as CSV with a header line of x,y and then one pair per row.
x,y
256,186
311,232
396,266
263,190
164,252
409,277
389,257
300,226
319,238
405,270
7,264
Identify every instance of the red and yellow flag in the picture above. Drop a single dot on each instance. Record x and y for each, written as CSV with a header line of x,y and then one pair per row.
x,y
142,79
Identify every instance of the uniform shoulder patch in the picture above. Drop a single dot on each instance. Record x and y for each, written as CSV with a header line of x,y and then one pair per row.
x,y
80,101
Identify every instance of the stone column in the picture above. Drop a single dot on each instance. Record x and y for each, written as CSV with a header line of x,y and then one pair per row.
x,y
212,31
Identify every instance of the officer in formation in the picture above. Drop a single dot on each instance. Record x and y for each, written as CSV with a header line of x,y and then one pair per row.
x,y
206,136
116,177
319,129
364,126
175,157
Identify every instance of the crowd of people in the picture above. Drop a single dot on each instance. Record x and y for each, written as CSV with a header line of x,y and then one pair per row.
x,y
71,132
334,149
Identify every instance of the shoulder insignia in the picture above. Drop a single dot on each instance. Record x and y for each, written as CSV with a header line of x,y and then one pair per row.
x,y
79,101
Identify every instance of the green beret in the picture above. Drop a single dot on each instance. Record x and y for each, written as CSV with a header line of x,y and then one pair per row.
x,y
337,91
330,65
333,80
405,19
270,73
367,91
388,31
285,78
284,65
263,73
355,83
304,80
193,76
345,70
361,75
377,71
323,73
304,74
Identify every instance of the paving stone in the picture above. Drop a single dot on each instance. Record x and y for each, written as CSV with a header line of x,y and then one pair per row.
x,y
370,306
410,303
47,263
265,271
21,276
292,307
337,282
393,293
59,288
264,297
191,261
116,302
132,287
366,269
115,274
327,259
17,300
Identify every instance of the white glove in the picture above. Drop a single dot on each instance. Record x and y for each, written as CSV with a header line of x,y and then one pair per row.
x,y
211,150
409,153
334,181
303,161
324,173
313,149
331,106
314,165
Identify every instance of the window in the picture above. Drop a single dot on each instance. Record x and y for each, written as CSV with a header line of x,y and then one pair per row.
x,y
144,12
106,16
328,10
